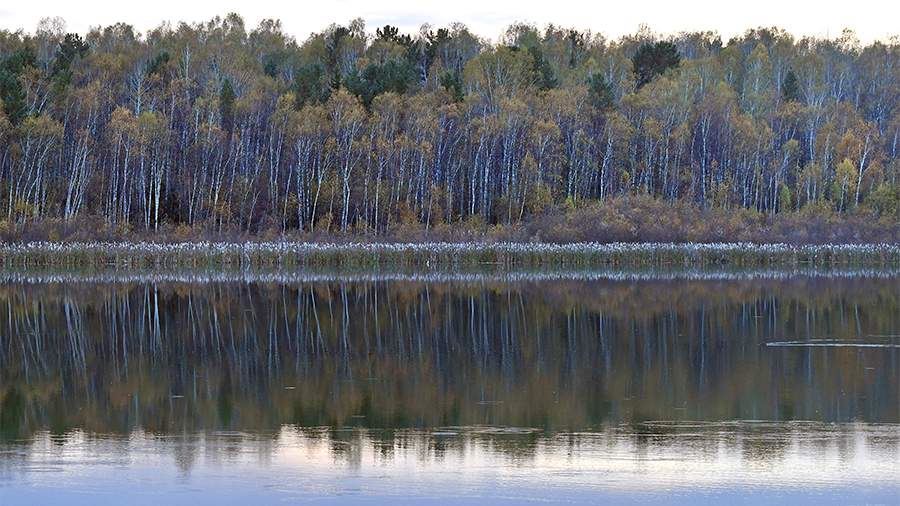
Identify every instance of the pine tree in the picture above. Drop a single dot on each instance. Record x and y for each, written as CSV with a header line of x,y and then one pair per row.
x,y
653,60
226,106
790,88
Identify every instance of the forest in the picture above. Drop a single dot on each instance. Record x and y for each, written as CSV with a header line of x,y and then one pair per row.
x,y
216,128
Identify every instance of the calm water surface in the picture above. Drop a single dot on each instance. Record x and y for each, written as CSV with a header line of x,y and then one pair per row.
x,y
577,388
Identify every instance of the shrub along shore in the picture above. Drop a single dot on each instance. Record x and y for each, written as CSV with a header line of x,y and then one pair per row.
x,y
437,255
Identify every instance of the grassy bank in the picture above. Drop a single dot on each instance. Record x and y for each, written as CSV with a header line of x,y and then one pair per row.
x,y
629,219
437,254
479,275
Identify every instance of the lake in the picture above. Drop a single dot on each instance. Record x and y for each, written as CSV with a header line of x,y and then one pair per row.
x,y
573,387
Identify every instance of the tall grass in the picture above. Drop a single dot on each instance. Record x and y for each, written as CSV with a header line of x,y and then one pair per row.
x,y
443,255
294,276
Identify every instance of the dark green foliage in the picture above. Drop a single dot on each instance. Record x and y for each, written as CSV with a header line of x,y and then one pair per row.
x,y
309,85
333,47
653,60
451,82
274,62
576,47
226,106
601,93
270,68
12,95
17,61
790,88
157,65
71,47
885,201
433,41
392,34
11,92
69,50
391,76
387,33
544,76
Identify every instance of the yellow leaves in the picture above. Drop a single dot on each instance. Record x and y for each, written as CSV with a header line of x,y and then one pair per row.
x,y
513,110
682,132
41,126
110,66
258,95
387,104
538,199
545,131
745,132
567,103
662,91
345,110
123,122
87,97
845,173
421,112
620,129
284,109
811,173
221,209
720,100
499,70
759,59
152,127
310,120
859,137
790,112
885,201
652,128
23,208
791,148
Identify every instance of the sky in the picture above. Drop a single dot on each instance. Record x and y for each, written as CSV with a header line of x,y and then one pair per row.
x,y
871,19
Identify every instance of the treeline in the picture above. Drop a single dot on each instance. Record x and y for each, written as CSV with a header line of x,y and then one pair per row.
x,y
217,127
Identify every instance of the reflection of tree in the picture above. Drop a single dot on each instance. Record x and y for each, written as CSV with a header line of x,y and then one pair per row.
x,y
185,450
641,446
224,403
12,414
564,355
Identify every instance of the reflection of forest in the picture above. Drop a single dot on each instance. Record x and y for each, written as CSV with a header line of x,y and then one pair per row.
x,y
558,356
662,455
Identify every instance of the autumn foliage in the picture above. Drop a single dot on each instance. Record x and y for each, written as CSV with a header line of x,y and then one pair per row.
x,y
214,129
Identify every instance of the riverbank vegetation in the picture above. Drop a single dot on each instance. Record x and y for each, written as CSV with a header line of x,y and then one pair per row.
x,y
633,218
191,131
440,257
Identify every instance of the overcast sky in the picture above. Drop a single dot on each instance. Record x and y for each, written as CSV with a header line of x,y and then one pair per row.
x,y
872,19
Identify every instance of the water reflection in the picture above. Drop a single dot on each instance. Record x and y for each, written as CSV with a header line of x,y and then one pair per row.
x,y
644,381
704,462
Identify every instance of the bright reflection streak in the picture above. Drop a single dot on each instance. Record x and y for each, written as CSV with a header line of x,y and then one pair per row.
x,y
842,460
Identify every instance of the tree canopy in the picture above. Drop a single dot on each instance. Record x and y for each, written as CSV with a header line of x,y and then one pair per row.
x,y
218,126
653,59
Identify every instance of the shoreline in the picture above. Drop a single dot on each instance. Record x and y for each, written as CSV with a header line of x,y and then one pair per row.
x,y
285,276
437,255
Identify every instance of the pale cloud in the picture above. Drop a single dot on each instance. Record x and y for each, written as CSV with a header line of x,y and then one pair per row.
x,y
871,19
